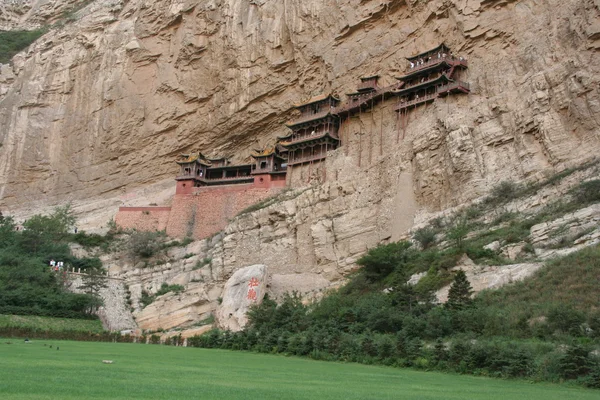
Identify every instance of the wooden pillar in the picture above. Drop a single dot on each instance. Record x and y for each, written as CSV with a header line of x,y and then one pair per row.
x,y
381,129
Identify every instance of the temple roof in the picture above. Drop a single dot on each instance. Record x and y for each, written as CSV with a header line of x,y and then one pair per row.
x,y
443,62
263,153
440,48
308,139
310,118
316,99
216,158
193,157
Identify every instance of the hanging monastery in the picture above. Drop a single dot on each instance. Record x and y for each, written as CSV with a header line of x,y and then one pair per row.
x,y
210,191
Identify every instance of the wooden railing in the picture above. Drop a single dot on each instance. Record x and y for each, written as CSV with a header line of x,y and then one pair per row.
x,y
366,98
307,118
307,159
454,85
305,137
421,99
268,169
434,61
227,178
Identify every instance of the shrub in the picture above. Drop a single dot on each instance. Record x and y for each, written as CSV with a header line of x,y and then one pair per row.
x,y
381,261
575,362
144,244
202,263
12,42
587,192
165,288
503,193
425,237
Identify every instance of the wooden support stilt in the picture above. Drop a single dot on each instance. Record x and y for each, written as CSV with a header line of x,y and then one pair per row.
x,y
381,129
359,135
370,133
398,126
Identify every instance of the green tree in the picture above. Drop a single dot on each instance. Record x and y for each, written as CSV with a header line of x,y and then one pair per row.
x,y
458,232
92,282
459,295
53,228
575,362
381,261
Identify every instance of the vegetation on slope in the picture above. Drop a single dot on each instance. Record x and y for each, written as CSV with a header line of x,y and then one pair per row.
x,y
27,284
46,324
12,42
545,328
505,333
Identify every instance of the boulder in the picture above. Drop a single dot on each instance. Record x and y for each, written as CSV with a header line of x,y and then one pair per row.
x,y
494,246
245,288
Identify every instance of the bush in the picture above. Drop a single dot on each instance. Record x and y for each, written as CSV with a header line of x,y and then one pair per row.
x,y
503,193
425,237
144,244
12,42
587,192
381,261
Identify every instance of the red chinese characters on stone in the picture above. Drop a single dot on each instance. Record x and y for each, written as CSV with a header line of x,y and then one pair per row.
x,y
252,295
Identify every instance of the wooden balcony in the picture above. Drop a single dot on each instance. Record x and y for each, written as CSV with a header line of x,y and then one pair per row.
x,y
306,159
305,138
311,117
367,99
268,170
367,85
416,101
453,87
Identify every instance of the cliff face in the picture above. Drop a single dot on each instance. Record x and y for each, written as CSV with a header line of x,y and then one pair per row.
x,y
101,106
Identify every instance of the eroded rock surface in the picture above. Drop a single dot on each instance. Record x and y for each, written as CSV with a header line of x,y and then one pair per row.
x,y
101,106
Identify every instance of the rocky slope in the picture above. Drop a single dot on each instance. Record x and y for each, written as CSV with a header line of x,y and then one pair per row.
x,y
310,239
96,111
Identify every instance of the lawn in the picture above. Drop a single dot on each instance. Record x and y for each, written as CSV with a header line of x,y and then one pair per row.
x,y
76,371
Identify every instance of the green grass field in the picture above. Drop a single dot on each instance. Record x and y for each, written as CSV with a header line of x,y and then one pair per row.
x,y
76,371
51,323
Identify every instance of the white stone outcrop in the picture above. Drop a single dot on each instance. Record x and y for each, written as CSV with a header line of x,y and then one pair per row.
x,y
492,277
245,288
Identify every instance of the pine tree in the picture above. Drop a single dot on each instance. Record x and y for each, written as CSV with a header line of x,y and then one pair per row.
x,y
459,295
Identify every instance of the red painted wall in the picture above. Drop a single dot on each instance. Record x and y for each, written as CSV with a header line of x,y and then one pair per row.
x,y
200,212
143,218
208,210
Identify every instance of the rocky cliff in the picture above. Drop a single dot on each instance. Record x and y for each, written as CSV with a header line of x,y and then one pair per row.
x,y
97,109
101,104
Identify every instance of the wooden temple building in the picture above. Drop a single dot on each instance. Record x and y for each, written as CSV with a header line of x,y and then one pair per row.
x,y
270,166
431,74
314,132
196,170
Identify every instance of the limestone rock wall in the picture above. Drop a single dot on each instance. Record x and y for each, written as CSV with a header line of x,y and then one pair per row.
x,y
115,313
102,105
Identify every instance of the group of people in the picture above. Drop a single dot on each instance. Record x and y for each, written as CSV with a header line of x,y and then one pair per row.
x,y
422,61
56,265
